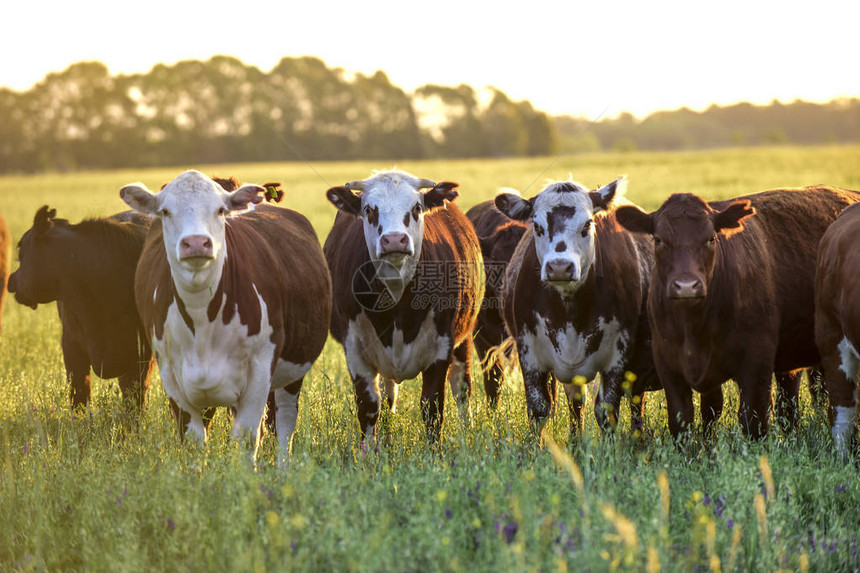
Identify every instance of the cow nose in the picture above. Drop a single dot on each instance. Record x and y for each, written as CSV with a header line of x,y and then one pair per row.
x,y
560,270
394,243
195,246
12,285
687,288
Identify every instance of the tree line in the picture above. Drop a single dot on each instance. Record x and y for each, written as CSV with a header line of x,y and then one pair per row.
x,y
222,110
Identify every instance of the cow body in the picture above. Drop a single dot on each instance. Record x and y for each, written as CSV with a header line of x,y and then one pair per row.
x,y
5,246
236,304
88,268
407,277
499,237
732,293
574,301
837,320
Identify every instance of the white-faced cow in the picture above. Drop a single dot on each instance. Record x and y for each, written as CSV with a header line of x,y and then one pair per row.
x,y
732,293
5,245
408,278
236,299
499,236
88,268
574,300
837,321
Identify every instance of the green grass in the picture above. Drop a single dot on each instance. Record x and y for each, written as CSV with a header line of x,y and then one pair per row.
x,y
78,492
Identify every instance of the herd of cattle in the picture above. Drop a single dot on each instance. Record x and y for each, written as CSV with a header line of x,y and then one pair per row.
x,y
235,299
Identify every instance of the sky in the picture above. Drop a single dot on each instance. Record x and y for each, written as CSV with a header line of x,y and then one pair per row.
x,y
592,59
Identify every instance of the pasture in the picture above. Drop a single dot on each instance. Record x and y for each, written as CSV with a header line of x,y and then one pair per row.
x,y
87,491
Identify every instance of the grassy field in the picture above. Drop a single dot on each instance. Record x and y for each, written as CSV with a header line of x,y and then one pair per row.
x,y
77,492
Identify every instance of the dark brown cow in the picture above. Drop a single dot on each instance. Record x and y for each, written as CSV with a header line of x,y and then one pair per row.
x,y
236,304
499,236
837,320
5,245
88,268
408,278
574,301
732,293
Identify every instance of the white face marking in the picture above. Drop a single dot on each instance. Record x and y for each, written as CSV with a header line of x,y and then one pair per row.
x,y
366,354
850,359
563,229
392,210
565,354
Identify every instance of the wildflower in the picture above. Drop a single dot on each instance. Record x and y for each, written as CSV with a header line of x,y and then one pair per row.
x,y
293,546
119,501
730,523
441,495
842,488
170,524
448,512
510,531
26,449
707,500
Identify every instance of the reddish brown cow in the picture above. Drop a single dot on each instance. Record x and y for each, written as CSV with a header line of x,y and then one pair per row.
x,y
88,268
236,299
408,277
837,320
5,244
499,237
732,293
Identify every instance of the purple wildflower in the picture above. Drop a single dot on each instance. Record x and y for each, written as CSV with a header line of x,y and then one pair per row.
x,y
811,542
26,449
832,547
854,547
448,512
614,477
293,546
730,523
707,500
119,501
170,524
510,532
843,487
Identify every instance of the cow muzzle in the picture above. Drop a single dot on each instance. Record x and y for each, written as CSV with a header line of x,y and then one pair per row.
x,y
196,247
686,288
20,298
561,271
394,244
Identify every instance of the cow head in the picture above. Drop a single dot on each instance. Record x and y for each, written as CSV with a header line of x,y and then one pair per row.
x,y
37,280
392,207
193,210
686,232
562,218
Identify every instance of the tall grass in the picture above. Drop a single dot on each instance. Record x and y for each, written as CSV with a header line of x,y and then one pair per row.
x,y
85,491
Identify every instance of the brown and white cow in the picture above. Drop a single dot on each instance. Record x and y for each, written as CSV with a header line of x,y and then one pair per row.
x,y
499,236
5,246
837,320
408,278
88,268
236,299
574,300
732,293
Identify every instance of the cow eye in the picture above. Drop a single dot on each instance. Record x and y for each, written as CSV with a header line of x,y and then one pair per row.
x,y
712,241
586,228
222,211
164,212
657,241
539,230
416,210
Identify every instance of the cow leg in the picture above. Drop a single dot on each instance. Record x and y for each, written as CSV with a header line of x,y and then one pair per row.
x,y
608,402
249,417
754,385
711,408
491,370
433,399
460,380
287,404
841,368
183,418
785,408
575,394
367,404
390,387
77,364
135,384
537,391
679,401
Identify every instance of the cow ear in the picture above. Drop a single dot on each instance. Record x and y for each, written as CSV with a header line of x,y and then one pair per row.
x,y
345,199
243,196
635,220
139,198
603,197
730,220
42,221
514,206
441,192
